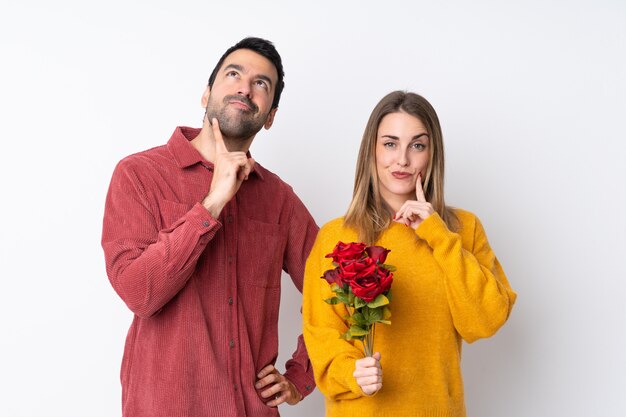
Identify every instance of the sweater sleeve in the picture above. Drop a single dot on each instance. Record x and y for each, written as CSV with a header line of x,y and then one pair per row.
x,y
333,358
147,266
477,289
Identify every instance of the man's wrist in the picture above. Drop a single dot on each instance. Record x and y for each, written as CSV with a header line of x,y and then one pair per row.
x,y
301,383
214,208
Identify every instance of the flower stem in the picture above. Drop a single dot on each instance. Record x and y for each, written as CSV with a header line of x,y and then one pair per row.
x,y
368,341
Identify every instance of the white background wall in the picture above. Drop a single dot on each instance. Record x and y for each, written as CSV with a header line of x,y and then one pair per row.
x,y
531,95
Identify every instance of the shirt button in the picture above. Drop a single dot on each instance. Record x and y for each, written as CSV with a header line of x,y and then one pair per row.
x,y
229,219
230,301
308,388
230,259
235,387
205,223
232,344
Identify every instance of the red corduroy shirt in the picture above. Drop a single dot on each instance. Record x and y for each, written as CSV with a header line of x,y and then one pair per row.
x,y
205,292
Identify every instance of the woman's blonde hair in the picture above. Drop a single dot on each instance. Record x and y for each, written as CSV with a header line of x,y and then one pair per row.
x,y
368,213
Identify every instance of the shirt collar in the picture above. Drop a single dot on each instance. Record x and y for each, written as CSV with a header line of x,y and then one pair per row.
x,y
186,155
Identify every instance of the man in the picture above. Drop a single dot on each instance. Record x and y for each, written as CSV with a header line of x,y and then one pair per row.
x,y
195,237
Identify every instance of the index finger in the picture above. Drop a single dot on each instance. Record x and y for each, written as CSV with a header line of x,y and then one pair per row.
x,y
419,191
266,371
217,134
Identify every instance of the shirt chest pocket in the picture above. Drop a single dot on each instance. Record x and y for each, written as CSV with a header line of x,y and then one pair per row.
x,y
260,253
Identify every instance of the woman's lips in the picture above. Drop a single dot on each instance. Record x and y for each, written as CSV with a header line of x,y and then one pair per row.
x,y
401,175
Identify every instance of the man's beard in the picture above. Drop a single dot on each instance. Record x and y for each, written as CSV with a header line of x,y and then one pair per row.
x,y
241,126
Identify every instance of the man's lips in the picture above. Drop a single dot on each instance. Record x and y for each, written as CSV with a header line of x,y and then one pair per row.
x,y
401,175
240,104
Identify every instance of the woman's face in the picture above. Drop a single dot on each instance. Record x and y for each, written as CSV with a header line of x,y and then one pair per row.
x,y
401,154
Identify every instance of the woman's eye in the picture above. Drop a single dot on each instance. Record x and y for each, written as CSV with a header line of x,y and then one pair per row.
x,y
419,146
389,145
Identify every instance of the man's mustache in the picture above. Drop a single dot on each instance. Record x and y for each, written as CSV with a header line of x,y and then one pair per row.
x,y
243,99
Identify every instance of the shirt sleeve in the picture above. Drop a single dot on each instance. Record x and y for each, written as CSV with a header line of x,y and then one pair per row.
x,y
147,267
333,358
478,292
302,233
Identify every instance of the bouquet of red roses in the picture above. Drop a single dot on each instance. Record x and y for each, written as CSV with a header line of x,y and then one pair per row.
x,y
362,281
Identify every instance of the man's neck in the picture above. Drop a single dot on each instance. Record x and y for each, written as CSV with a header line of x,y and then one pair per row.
x,y
205,143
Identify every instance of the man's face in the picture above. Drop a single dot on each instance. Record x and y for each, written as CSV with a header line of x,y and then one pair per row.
x,y
242,94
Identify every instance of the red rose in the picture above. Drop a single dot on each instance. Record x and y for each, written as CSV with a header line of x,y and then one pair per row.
x,y
369,287
377,253
350,270
332,276
366,288
347,252
386,278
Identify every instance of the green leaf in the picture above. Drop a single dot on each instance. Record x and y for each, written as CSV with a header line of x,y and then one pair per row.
x,y
357,331
358,303
358,318
384,321
336,288
386,313
343,298
379,301
389,268
332,301
347,335
376,314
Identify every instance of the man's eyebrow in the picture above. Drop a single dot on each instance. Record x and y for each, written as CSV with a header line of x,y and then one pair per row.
x,y
240,69
233,66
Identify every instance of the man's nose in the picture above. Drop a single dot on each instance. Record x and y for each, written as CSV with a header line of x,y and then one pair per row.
x,y
244,88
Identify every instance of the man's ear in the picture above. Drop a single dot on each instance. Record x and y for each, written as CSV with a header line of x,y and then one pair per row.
x,y
205,97
270,118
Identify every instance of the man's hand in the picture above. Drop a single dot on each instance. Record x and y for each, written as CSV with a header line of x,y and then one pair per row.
x,y
277,387
369,374
230,170
412,212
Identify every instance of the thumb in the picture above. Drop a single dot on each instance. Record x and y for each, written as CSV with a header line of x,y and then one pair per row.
x,y
376,356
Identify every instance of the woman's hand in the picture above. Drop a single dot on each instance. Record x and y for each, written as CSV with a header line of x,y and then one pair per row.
x,y
412,212
369,374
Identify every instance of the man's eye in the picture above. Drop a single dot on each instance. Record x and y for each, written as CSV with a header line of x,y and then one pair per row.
x,y
231,74
261,84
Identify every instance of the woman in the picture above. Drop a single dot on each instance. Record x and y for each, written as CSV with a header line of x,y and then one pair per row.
x,y
448,285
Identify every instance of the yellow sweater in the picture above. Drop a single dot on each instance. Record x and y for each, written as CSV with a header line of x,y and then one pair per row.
x,y
447,287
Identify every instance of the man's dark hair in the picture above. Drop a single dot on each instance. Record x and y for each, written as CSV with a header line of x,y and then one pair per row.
x,y
261,47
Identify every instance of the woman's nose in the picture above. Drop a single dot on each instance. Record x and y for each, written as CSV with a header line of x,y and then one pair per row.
x,y
403,161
